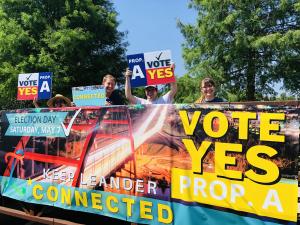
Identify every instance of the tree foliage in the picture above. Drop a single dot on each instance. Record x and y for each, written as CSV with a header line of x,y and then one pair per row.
x,y
77,40
188,89
245,45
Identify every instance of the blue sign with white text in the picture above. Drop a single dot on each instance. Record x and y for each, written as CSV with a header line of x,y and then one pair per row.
x,y
45,85
136,64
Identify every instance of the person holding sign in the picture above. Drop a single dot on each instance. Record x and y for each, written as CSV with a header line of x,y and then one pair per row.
x,y
113,97
151,92
208,91
57,101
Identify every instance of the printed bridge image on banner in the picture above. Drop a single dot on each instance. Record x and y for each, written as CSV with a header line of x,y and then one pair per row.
x,y
156,164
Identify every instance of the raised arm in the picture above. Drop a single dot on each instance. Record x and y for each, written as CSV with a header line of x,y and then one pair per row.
x,y
128,94
173,89
173,86
34,102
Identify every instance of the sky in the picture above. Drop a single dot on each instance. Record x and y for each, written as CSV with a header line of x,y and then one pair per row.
x,y
152,26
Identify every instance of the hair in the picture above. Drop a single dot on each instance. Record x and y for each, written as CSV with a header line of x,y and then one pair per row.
x,y
108,76
206,80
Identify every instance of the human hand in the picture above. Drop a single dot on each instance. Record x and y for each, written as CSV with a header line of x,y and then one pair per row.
x,y
172,66
107,103
128,73
50,140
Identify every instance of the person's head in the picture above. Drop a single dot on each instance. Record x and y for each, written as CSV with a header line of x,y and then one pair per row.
x,y
151,92
59,101
208,88
109,83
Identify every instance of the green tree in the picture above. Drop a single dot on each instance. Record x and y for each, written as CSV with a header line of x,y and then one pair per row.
x,y
76,40
283,97
245,45
188,89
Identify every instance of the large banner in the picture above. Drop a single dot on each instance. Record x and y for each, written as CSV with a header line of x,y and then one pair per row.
x,y
156,164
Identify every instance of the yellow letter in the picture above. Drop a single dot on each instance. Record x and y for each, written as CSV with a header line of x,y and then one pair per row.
x,y
65,197
244,118
81,199
272,171
52,198
34,192
129,203
21,90
108,203
160,73
221,160
189,128
195,154
169,72
266,126
152,73
144,210
34,90
96,200
223,124
169,218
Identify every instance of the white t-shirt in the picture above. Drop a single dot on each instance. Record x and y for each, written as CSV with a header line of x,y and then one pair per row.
x,y
165,99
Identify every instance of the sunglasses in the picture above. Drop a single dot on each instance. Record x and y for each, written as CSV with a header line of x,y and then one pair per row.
x,y
59,101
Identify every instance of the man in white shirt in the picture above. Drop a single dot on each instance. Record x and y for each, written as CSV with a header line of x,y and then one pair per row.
x,y
151,93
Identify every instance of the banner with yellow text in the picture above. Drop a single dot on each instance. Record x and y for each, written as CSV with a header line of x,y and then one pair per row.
x,y
156,164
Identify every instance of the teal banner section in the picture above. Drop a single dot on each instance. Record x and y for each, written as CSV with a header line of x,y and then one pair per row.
x,y
125,207
36,124
197,214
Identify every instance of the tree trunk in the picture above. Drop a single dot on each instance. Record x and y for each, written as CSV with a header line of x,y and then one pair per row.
x,y
250,92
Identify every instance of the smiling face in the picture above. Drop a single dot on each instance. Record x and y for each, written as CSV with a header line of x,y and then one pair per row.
x,y
151,93
109,84
208,89
59,103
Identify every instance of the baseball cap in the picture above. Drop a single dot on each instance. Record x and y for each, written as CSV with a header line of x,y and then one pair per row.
x,y
154,86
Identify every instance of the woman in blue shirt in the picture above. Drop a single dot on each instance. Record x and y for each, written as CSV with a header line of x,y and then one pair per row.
x,y
208,91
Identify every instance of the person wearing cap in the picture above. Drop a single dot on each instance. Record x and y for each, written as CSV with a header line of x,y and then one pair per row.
x,y
113,97
151,92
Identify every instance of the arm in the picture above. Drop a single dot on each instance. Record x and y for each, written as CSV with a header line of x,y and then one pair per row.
x,y
173,86
128,94
173,90
36,105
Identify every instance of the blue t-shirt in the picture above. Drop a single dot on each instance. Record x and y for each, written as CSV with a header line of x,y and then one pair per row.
x,y
216,99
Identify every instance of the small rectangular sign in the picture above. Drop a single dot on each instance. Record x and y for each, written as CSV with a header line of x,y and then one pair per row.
x,y
151,68
89,95
34,86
